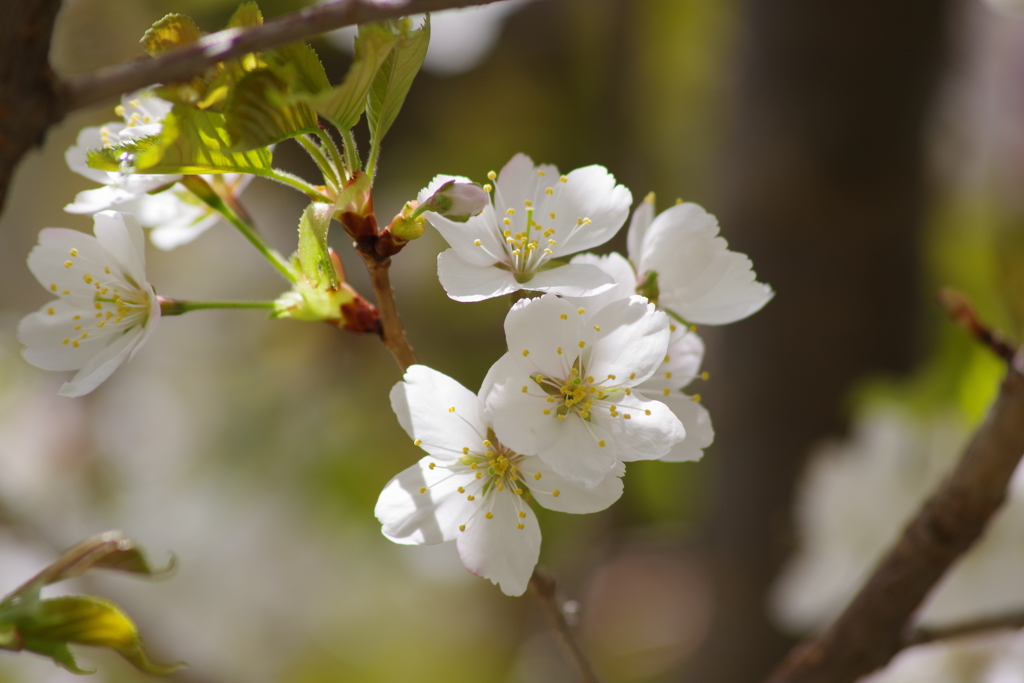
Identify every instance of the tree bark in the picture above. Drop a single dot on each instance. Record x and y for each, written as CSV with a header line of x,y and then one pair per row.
x,y
824,188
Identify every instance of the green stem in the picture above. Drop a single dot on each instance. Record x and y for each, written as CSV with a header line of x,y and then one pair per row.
x,y
177,306
371,163
351,152
201,189
675,316
308,189
330,173
339,162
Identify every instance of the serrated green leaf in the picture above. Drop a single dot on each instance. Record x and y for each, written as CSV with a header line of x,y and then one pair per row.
x,y
344,104
247,14
300,65
314,256
393,81
195,141
86,620
174,30
109,550
256,113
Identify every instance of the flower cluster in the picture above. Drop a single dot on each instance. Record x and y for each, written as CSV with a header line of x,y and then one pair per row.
x,y
595,370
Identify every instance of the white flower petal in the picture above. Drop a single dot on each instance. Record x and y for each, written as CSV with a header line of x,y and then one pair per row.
x,y
588,193
578,453
618,268
102,364
423,403
410,517
59,247
76,155
44,332
121,235
520,181
91,201
698,277
576,280
462,237
697,422
572,497
498,550
632,340
435,185
544,335
649,433
643,216
518,418
465,281
685,355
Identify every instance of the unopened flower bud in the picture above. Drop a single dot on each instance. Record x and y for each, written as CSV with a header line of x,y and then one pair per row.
x,y
456,201
406,229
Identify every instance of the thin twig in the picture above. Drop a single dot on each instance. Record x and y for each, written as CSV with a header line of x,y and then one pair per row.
x,y
1008,621
544,587
187,62
873,627
392,332
962,311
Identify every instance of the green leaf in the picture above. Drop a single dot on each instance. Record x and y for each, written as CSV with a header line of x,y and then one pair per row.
x,y
51,624
109,550
248,14
192,142
344,104
299,64
174,30
314,256
257,116
394,80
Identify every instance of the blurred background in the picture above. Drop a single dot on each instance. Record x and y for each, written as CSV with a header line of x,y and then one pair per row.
x,y
861,153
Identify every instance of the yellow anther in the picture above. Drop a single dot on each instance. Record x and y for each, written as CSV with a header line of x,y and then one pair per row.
x,y
552,242
478,243
491,175
134,103
537,476
423,489
552,214
77,327
98,305
629,392
106,269
489,453
547,411
78,317
119,110
548,251
601,443
666,391
561,417
471,497
647,412
528,203
665,359
522,514
75,343
556,493
564,316
511,212
582,343
526,352
525,390
672,328
452,409
581,311
696,398
461,490
563,179
518,492
632,375
53,288
68,264
549,191
101,323
488,515
597,328
506,221
479,474
65,341
550,399
487,188
520,526
462,527
627,416
501,487
693,328
705,375
417,442
541,172
668,375
50,311
574,372
559,350
74,252
679,200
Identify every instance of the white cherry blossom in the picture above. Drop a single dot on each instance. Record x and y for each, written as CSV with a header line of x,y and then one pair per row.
x,y
536,217
471,487
566,389
680,366
698,278
175,214
106,309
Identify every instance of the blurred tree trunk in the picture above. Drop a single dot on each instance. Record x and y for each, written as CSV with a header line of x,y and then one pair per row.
x,y
824,188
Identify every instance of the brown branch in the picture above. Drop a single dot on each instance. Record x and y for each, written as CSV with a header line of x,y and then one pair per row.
x,y
543,587
32,98
392,333
1008,621
193,60
873,627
